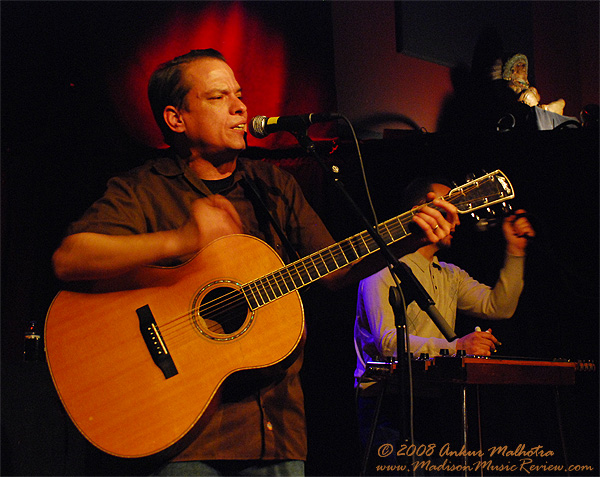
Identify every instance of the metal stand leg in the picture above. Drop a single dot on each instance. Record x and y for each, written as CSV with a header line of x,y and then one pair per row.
x,y
479,430
560,427
367,454
465,425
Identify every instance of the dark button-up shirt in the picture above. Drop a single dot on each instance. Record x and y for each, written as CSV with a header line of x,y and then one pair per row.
x,y
257,417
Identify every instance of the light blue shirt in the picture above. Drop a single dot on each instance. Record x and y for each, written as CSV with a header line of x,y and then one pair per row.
x,y
450,287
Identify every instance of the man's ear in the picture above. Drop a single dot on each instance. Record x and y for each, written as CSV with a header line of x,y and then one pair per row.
x,y
173,119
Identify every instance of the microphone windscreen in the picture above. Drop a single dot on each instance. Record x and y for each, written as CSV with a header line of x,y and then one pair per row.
x,y
257,127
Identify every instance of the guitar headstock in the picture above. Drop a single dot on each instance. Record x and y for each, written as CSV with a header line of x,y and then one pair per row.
x,y
487,190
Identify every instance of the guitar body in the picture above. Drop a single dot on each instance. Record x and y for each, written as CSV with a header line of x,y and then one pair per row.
x,y
103,369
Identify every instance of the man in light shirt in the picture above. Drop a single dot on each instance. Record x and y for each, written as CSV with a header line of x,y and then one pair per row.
x,y
451,288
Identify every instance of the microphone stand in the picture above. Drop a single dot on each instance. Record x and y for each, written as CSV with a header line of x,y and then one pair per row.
x,y
403,273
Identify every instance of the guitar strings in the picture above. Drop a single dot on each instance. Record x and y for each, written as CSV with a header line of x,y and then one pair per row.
x,y
219,309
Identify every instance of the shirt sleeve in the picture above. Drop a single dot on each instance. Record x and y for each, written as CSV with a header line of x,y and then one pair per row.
x,y
500,302
375,329
375,315
117,212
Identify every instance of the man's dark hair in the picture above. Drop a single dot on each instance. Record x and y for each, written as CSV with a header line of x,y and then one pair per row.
x,y
167,88
415,193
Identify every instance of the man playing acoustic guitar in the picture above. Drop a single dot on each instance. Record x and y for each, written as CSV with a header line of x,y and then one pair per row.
x,y
166,213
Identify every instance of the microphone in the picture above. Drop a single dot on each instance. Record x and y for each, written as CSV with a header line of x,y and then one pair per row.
x,y
261,126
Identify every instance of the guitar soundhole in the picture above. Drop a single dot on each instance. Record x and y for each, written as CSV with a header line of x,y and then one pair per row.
x,y
221,311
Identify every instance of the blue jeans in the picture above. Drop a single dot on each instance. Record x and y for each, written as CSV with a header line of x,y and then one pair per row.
x,y
234,467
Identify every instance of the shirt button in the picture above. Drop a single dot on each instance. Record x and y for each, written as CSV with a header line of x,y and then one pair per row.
x,y
269,426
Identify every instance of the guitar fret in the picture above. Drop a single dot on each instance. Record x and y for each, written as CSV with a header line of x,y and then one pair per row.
x,y
310,266
294,277
343,251
352,241
365,244
269,289
321,265
404,232
392,230
370,243
399,227
332,257
260,298
288,280
385,231
298,275
349,251
254,302
355,244
280,281
304,274
264,292
275,286
342,256
360,245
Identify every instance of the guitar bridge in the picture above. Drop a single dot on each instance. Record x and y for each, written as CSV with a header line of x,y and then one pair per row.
x,y
155,343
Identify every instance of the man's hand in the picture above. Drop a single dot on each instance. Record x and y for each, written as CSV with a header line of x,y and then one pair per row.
x,y
436,225
210,218
517,231
479,343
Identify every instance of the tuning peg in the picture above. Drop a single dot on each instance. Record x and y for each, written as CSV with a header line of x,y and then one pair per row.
x,y
470,177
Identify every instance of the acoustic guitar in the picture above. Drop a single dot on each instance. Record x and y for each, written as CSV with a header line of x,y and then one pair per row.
x,y
137,368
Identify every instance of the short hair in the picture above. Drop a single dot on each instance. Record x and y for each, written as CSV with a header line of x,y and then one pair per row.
x,y
167,88
415,193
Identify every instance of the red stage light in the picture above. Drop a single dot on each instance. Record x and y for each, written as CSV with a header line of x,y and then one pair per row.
x,y
256,52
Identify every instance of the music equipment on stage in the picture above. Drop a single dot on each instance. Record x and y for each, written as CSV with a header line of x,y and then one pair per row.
x,y
463,371
261,126
469,369
137,368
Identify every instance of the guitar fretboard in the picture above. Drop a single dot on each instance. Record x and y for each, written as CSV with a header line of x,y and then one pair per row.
x,y
313,267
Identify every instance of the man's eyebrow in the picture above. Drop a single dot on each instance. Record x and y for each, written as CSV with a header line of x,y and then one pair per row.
x,y
223,90
210,92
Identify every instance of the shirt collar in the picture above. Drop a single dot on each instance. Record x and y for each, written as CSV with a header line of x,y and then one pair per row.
x,y
170,165
175,166
421,262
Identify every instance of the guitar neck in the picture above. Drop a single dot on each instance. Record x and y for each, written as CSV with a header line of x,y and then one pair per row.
x,y
314,267
485,191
